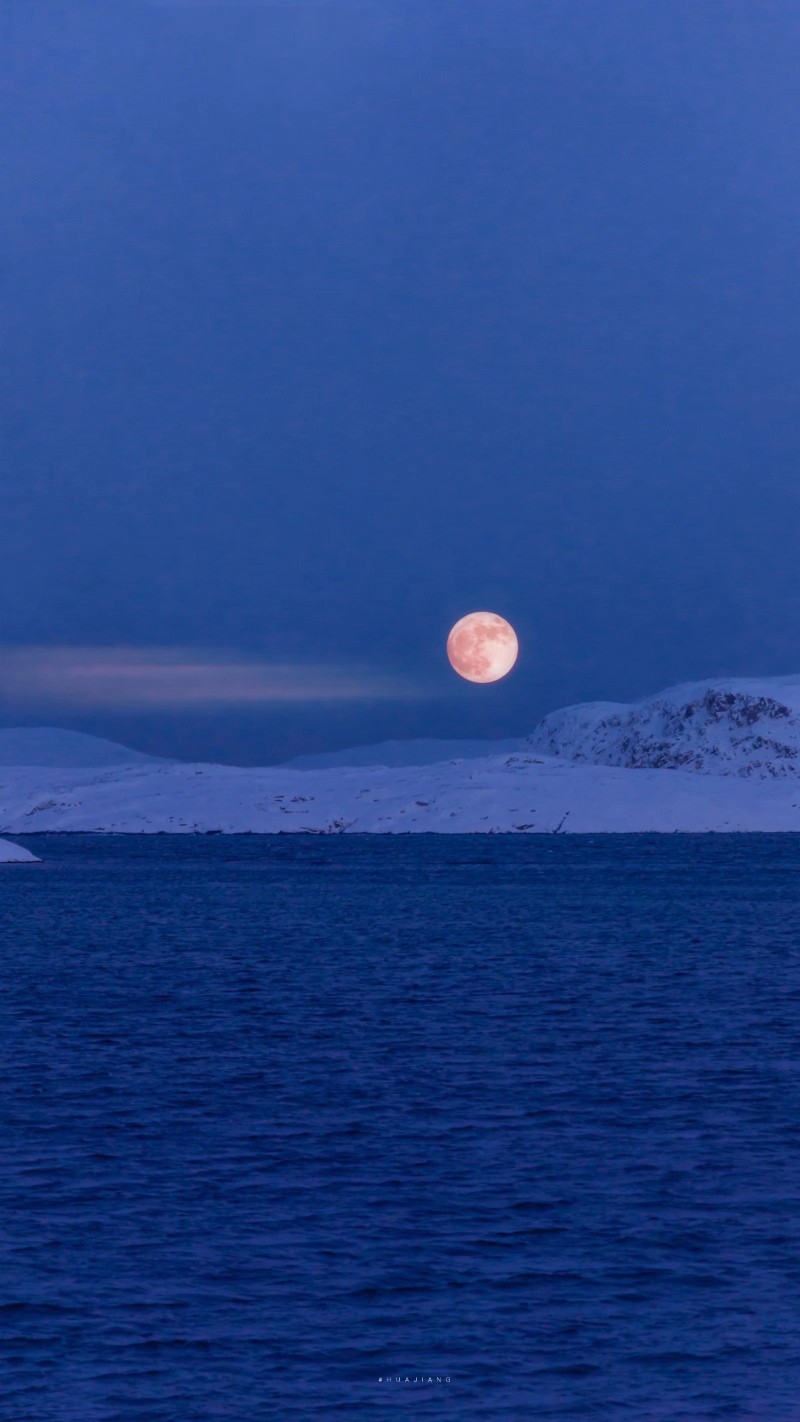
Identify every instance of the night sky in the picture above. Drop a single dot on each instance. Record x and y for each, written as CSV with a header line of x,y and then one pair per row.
x,y
326,323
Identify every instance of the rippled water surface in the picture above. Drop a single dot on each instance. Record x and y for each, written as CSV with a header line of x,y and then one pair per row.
x,y
285,1120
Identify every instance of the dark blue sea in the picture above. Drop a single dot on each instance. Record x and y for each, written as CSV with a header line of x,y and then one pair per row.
x,y
464,1127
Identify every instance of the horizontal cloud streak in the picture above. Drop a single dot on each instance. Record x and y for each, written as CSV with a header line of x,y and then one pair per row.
x,y
128,677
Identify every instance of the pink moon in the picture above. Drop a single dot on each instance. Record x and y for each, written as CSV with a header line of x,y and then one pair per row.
x,y
482,647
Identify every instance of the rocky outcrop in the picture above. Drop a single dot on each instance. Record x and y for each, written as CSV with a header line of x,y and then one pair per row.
x,y
745,728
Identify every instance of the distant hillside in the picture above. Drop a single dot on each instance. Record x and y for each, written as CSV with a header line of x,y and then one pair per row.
x,y
401,753
742,726
48,745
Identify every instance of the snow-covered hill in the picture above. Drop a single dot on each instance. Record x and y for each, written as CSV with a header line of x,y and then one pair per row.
x,y
742,727
586,769
49,745
15,854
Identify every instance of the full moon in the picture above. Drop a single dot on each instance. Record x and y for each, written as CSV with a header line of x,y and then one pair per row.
x,y
482,647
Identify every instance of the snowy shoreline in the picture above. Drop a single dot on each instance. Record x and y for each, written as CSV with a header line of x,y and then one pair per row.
x,y
515,794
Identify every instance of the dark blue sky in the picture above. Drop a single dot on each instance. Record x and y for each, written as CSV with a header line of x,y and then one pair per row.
x,y
331,322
